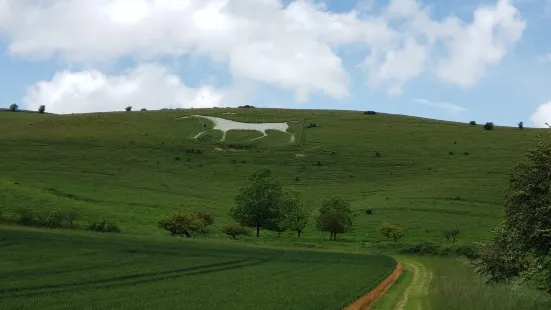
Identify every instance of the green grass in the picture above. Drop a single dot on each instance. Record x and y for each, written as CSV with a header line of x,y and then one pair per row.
x,y
455,286
59,269
135,168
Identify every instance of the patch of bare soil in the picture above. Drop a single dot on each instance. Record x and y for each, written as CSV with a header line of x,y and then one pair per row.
x,y
368,299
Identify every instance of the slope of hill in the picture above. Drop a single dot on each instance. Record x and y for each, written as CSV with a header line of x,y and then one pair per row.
x,y
136,167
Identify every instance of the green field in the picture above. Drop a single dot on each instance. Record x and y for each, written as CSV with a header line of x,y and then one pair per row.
x,y
136,167
60,270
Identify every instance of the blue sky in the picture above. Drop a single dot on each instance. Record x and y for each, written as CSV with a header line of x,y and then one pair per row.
x,y
453,60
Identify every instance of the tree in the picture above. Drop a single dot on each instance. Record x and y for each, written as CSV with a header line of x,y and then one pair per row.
x,y
386,230
489,126
235,230
473,123
335,216
521,125
185,224
128,108
258,205
451,234
397,233
41,109
294,212
521,244
14,107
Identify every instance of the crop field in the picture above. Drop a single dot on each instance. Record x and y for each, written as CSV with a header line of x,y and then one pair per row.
x,y
137,167
57,270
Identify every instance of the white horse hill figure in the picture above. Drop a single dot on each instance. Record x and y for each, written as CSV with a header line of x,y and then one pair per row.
x,y
226,125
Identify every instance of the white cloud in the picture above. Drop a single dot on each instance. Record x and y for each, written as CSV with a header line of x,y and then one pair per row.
x,y
545,59
441,105
542,115
295,47
149,86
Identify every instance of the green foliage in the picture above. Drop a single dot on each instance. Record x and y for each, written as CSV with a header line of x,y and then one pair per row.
x,y
186,224
397,234
41,109
235,230
335,216
104,226
258,205
50,219
128,108
489,126
473,123
294,213
14,107
521,244
386,230
521,125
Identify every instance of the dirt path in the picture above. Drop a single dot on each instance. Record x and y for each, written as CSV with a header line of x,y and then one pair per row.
x,y
368,299
414,296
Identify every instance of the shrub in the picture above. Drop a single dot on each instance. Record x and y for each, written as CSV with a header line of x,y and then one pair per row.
x,y
489,126
369,211
425,248
186,223
378,154
451,153
467,251
128,108
143,109
246,106
370,112
451,234
297,179
103,226
521,125
472,123
311,125
466,154
26,217
319,164
41,109
235,230
177,158
14,107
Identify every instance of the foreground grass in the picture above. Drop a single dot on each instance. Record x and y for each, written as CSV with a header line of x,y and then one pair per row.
x,y
62,269
135,168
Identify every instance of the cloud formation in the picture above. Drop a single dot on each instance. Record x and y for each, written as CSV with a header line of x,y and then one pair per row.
x,y
296,47
149,86
542,115
441,105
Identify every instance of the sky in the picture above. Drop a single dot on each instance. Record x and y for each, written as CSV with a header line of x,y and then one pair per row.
x,y
452,60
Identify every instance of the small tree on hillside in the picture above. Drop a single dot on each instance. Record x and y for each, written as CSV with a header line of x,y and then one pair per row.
x,y
258,205
295,214
184,224
335,216
521,125
14,107
128,108
473,123
489,126
235,230
41,109
386,230
451,234
397,234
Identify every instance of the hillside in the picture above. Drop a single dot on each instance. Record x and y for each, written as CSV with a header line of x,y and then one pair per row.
x,y
136,167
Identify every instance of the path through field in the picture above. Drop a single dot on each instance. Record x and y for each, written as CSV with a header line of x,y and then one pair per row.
x,y
410,292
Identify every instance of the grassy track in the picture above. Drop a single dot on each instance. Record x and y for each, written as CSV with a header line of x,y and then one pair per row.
x,y
136,167
58,270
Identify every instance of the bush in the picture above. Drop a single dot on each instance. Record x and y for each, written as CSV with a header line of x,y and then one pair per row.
x,y
246,106
472,123
370,112
235,230
26,217
378,154
128,108
425,248
489,126
451,153
467,251
521,125
311,125
143,109
319,164
104,226
369,211
42,109
187,223
14,107
297,179
466,154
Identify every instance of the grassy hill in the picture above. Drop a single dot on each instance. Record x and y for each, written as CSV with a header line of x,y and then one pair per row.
x,y
136,167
